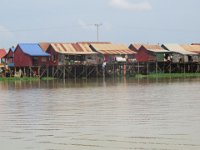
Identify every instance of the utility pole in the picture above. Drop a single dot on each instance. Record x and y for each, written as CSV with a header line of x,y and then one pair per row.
x,y
98,25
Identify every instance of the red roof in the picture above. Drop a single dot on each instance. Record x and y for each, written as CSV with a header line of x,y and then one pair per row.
x,y
2,53
195,44
44,46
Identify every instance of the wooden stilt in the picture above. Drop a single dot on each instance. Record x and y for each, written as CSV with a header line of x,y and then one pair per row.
x,y
97,71
138,68
24,72
39,71
120,70
30,72
64,72
104,70
52,71
15,70
47,67
86,72
75,72
184,68
163,68
156,67
124,68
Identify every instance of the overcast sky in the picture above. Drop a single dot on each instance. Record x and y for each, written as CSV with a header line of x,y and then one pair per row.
x,y
123,21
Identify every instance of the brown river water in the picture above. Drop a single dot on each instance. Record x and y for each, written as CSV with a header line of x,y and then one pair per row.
x,y
116,114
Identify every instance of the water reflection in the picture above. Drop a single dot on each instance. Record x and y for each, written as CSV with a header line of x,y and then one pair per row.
x,y
100,114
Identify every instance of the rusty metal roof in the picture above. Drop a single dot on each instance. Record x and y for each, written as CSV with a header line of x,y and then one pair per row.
x,y
154,48
64,48
112,49
178,49
94,43
2,53
137,46
195,44
158,50
85,47
72,48
191,48
44,46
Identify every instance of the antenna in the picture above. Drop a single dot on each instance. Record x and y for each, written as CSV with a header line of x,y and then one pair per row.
x,y
98,25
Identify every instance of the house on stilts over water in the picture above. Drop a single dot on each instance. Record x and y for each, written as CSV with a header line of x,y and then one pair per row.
x,y
29,58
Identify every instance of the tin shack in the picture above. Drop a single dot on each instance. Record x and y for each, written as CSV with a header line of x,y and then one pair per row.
x,y
69,53
152,53
2,55
194,49
113,52
9,57
179,54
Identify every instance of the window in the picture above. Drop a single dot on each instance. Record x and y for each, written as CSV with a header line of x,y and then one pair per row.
x,y
35,61
44,59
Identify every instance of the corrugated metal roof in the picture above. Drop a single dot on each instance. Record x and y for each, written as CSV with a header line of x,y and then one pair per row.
x,y
152,46
72,48
44,46
2,53
178,49
191,48
136,45
32,49
94,43
12,49
158,50
85,47
195,44
63,47
112,49
155,48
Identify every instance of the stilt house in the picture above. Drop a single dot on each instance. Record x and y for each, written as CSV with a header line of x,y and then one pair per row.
x,y
69,53
113,52
30,55
152,53
179,54
194,49
9,57
2,55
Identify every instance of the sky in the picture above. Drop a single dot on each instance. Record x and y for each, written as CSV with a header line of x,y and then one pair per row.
x,y
121,21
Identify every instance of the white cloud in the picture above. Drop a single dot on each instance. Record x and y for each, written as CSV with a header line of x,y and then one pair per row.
x,y
127,5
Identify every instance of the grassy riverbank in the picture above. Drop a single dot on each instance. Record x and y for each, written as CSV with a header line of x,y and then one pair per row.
x,y
169,75
153,76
